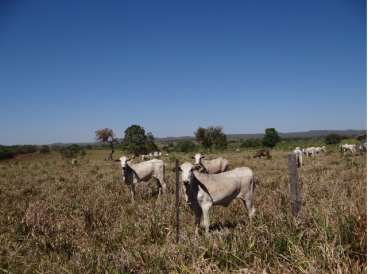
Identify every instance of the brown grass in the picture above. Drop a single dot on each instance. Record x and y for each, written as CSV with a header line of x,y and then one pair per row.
x,y
60,218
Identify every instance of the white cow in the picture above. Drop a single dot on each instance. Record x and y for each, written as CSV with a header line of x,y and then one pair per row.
x,y
210,166
299,156
310,151
318,150
206,190
135,173
348,148
157,154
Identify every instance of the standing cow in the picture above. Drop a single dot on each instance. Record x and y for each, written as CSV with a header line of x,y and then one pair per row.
x,y
299,156
144,171
348,148
206,190
214,166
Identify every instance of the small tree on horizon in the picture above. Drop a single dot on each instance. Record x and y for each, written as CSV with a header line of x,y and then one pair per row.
x,y
211,137
271,138
106,135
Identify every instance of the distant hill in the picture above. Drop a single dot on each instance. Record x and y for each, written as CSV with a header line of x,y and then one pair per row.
x,y
301,134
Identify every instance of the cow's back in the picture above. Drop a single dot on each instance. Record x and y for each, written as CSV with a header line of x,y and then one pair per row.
x,y
226,186
145,170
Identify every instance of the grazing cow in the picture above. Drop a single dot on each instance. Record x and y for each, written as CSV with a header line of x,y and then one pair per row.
x,y
135,173
263,153
299,156
210,166
318,150
310,151
206,190
348,148
74,162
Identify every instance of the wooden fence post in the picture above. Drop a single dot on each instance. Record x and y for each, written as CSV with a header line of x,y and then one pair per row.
x,y
177,202
294,184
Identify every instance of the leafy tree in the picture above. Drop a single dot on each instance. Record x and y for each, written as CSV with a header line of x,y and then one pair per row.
x,y
150,143
106,135
271,137
333,139
211,137
200,135
137,142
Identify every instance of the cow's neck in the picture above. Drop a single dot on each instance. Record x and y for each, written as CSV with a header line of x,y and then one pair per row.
x,y
204,169
129,170
197,183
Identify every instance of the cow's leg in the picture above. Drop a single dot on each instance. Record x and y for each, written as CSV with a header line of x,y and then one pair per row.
x,y
161,185
248,203
132,191
206,220
198,215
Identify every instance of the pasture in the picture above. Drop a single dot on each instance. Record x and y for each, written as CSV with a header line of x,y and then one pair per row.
x,y
61,218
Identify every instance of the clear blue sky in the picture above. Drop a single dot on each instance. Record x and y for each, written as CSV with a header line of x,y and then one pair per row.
x,y
68,68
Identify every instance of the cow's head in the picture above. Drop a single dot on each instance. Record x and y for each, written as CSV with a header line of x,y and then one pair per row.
x,y
186,170
124,161
197,158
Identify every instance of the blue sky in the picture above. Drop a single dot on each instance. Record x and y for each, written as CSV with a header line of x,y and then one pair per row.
x,y
68,68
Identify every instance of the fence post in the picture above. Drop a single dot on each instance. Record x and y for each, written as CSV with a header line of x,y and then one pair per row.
x,y
177,202
294,184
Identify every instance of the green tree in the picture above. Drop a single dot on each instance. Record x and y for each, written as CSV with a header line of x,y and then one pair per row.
x,y
211,137
106,135
333,139
200,135
150,143
135,140
271,137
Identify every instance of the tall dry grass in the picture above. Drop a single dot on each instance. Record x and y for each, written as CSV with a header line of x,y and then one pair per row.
x,y
60,218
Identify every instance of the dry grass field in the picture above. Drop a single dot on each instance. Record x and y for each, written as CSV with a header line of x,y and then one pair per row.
x,y
59,218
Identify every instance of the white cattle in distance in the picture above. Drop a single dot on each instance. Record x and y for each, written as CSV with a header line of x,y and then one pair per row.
x,y
214,166
299,156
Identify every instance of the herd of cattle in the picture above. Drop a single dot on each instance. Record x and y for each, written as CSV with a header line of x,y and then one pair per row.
x,y
206,183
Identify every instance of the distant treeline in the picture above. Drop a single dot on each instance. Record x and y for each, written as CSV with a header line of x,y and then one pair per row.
x,y
7,152
74,150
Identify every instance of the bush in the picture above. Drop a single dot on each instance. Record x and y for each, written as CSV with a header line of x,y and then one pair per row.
x,y
251,143
45,149
333,139
184,146
72,151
